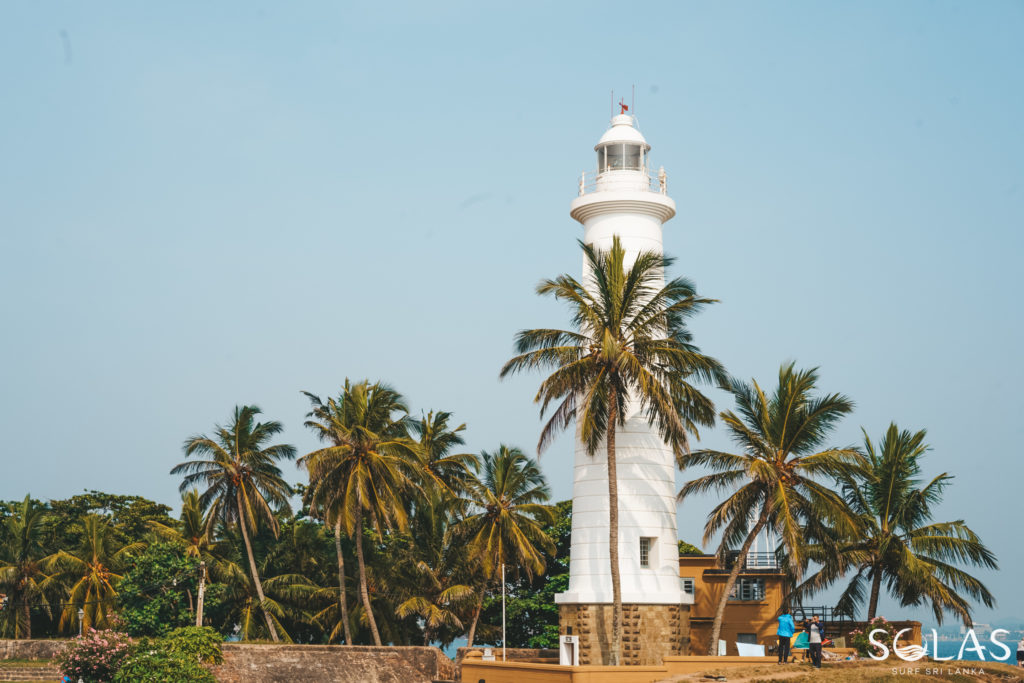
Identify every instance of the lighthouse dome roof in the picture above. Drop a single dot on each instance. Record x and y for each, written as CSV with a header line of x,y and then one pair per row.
x,y
622,130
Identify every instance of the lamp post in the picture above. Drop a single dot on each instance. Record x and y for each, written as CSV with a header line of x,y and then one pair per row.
x,y
503,643
81,617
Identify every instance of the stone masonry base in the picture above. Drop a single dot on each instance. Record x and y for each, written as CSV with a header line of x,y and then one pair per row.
x,y
649,632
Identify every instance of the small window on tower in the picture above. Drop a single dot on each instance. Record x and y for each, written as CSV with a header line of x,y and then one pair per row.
x,y
646,544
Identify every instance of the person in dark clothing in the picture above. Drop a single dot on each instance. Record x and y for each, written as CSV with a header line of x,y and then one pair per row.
x,y
815,634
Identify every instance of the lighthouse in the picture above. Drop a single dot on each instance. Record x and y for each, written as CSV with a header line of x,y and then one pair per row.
x,y
625,198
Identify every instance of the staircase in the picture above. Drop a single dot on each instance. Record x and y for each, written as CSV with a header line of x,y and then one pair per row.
x,y
29,672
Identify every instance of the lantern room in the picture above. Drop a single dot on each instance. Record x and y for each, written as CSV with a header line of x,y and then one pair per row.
x,y
622,147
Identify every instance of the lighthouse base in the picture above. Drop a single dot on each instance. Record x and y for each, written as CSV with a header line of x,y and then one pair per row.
x,y
649,632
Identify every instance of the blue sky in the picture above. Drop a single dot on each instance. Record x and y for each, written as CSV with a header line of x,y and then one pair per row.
x,y
203,205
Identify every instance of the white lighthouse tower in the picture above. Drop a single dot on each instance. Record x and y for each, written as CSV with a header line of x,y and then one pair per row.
x,y
625,198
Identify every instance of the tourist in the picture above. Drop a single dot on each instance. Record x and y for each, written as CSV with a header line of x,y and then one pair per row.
x,y
815,630
787,627
1020,653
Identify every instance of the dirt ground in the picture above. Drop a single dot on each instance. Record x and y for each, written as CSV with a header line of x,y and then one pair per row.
x,y
863,672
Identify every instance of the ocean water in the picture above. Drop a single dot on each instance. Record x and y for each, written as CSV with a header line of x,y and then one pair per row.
x,y
951,648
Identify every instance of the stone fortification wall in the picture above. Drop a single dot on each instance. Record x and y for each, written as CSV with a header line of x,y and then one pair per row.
x,y
344,664
30,649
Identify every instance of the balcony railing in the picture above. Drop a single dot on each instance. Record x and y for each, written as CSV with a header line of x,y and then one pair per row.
x,y
754,560
642,179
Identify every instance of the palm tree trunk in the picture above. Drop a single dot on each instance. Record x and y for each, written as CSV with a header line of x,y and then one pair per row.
x,y
363,592
255,574
876,585
28,618
613,533
202,594
476,617
341,583
723,600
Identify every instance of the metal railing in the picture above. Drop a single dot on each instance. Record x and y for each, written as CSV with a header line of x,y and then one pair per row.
x,y
623,179
753,560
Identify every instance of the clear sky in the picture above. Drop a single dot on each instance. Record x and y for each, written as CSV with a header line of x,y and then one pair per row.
x,y
209,204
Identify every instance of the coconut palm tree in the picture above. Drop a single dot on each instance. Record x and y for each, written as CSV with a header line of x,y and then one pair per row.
x,y
21,567
897,542
437,464
774,481
242,480
436,576
630,350
286,596
364,471
505,526
196,535
90,573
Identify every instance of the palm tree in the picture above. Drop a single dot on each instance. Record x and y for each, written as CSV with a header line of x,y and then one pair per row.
x,y
435,577
438,465
196,535
364,471
773,481
243,482
506,527
285,599
630,351
897,542
91,573
21,566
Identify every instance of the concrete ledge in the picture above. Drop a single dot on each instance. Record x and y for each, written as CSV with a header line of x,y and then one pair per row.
x,y
475,670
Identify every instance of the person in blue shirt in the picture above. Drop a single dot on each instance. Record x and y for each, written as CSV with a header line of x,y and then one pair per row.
x,y
787,627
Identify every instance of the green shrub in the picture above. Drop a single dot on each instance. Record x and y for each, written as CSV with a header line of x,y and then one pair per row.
x,y
200,643
153,662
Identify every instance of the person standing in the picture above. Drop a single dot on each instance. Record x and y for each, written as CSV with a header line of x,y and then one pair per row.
x,y
815,631
787,627
1020,653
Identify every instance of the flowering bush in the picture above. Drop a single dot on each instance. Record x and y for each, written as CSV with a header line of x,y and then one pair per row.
x,y
94,656
859,637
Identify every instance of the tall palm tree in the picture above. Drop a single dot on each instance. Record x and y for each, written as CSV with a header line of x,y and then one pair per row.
x,y
435,576
897,542
196,535
243,482
774,480
506,525
365,470
286,595
90,573
630,350
437,463
21,566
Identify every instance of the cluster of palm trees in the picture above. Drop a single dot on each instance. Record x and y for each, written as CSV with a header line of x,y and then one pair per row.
x,y
74,586
448,520
838,511
427,526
